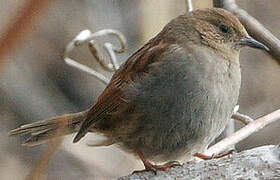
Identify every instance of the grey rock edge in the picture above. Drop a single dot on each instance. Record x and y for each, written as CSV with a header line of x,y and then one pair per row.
x,y
258,163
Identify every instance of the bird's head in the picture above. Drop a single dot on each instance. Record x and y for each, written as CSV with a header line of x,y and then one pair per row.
x,y
215,28
222,30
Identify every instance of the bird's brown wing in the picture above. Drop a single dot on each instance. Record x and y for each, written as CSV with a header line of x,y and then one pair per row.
x,y
113,95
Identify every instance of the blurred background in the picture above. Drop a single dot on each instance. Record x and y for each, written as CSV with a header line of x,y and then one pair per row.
x,y
35,83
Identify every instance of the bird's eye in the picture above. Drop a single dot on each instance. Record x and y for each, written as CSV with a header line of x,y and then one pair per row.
x,y
224,28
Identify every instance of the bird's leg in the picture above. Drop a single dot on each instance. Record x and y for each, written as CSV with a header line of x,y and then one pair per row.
x,y
152,167
205,157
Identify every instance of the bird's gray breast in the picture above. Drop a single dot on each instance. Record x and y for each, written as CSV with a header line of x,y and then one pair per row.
x,y
185,101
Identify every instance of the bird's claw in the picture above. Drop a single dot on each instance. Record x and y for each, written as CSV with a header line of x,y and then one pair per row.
x,y
214,156
154,168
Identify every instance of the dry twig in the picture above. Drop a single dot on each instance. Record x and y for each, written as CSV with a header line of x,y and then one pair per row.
x,y
86,37
189,5
38,171
242,118
244,133
31,9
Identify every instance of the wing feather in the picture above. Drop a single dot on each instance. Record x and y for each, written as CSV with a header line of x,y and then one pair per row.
x,y
113,95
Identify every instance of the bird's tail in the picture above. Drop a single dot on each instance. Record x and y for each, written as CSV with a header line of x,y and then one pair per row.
x,y
46,129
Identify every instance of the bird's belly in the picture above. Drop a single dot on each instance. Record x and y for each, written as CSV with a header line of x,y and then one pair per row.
x,y
188,132
180,113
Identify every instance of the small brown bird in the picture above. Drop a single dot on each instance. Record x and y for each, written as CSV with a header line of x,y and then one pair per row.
x,y
169,99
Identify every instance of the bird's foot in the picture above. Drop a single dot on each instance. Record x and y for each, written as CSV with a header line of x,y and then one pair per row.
x,y
154,168
205,157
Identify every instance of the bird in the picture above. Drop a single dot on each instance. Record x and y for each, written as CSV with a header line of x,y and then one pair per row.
x,y
171,98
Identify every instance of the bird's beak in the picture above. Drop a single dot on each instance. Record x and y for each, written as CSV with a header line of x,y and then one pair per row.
x,y
249,41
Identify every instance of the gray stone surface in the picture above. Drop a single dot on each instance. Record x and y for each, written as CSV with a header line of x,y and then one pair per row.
x,y
258,163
